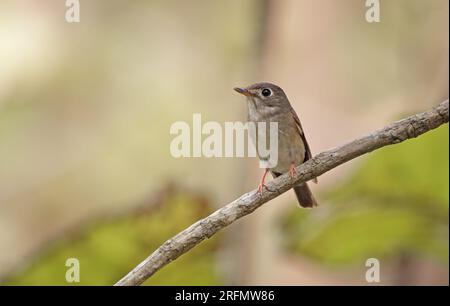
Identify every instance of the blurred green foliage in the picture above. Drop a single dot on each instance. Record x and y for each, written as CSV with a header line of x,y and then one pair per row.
x,y
109,249
396,202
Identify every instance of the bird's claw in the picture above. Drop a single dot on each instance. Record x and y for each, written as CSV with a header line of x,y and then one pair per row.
x,y
292,171
260,188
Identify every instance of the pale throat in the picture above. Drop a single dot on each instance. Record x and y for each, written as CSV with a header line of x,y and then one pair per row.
x,y
257,111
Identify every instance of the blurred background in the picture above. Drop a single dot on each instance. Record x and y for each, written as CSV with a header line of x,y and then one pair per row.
x,y
85,166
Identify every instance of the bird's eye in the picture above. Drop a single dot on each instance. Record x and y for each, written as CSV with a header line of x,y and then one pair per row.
x,y
266,92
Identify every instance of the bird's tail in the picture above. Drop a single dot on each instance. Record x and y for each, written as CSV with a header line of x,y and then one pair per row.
x,y
304,196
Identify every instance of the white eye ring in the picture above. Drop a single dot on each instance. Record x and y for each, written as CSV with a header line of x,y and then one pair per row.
x,y
266,92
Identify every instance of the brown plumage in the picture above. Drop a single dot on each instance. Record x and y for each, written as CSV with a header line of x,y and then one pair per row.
x,y
268,103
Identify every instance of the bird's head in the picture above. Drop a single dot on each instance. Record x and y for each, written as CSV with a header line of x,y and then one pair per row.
x,y
264,95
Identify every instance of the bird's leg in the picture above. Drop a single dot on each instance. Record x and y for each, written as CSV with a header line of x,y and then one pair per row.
x,y
292,170
261,184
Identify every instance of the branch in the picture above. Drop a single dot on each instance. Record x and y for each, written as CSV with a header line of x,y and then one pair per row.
x,y
184,241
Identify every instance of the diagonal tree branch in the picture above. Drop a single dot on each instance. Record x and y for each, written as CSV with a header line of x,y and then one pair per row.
x,y
184,241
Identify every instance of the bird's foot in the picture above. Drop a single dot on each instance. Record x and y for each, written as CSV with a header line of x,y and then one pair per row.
x,y
292,171
261,184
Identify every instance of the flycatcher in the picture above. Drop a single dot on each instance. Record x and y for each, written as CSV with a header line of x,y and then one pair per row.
x,y
268,103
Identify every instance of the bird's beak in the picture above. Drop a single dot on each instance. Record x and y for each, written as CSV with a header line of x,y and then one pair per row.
x,y
243,91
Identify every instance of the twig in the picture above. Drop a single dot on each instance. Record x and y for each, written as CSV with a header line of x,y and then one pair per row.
x,y
184,241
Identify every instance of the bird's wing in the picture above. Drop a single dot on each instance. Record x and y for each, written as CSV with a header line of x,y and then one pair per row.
x,y
308,154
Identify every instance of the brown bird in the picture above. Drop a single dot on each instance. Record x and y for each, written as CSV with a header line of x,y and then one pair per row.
x,y
268,103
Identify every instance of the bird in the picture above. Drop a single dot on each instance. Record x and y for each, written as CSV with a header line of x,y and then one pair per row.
x,y
267,103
